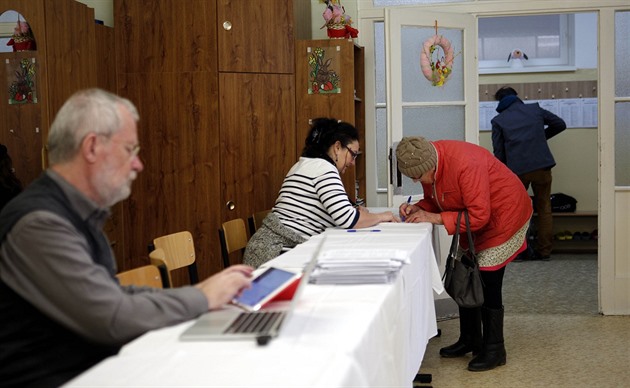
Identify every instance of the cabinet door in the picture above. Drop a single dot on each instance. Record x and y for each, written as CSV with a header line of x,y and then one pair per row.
x,y
23,139
255,36
257,139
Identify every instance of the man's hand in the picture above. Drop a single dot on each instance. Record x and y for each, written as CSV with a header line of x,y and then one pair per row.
x,y
224,286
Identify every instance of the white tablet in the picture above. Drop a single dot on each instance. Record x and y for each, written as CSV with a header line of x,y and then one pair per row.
x,y
265,287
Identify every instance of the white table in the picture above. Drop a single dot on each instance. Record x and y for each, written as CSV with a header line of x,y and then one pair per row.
x,y
339,335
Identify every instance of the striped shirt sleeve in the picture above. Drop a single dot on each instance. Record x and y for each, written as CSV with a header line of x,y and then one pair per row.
x,y
313,198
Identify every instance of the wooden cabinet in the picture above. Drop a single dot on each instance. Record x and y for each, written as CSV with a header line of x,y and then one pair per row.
x,y
217,109
65,61
330,82
257,139
72,53
255,36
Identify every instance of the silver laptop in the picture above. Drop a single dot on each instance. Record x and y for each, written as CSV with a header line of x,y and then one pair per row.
x,y
237,324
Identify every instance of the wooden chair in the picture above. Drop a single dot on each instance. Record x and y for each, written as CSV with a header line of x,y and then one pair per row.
x,y
175,251
147,275
256,219
233,237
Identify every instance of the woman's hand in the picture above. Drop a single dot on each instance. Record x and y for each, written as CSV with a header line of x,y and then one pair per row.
x,y
388,217
423,216
406,209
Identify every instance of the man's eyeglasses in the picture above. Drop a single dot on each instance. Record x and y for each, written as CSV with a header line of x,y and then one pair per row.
x,y
133,150
353,153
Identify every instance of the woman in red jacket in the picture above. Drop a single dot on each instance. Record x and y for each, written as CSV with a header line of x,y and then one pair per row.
x,y
457,175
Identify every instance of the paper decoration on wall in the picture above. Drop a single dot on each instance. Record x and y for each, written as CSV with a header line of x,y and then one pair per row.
x,y
436,58
21,75
322,78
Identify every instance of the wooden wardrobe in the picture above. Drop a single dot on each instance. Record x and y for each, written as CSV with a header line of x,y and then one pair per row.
x,y
214,85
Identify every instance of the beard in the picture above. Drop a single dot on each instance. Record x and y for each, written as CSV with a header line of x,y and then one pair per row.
x,y
112,193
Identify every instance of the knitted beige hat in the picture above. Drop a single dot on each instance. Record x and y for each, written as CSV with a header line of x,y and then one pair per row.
x,y
416,156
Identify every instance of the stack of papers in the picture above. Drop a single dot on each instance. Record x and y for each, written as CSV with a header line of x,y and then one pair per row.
x,y
358,266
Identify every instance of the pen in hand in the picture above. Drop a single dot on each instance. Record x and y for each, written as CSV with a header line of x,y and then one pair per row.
x,y
402,218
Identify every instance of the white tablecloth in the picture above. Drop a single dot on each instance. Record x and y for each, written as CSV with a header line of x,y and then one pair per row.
x,y
339,335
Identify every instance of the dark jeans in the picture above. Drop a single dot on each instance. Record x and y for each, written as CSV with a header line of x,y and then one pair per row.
x,y
540,181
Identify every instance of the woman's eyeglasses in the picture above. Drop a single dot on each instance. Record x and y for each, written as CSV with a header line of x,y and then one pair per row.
x,y
353,153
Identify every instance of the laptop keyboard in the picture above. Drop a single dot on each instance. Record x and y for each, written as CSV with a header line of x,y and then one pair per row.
x,y
255,322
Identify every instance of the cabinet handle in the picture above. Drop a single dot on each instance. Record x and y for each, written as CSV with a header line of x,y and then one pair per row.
x,y
227,26
230,205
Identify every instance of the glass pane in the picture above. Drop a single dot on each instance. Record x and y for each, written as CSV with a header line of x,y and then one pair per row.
x,y
538,36
622,54
417,88
382,149
434,123
379,61
622,144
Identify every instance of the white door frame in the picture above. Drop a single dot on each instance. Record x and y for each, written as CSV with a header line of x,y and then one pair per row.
x,y
614,266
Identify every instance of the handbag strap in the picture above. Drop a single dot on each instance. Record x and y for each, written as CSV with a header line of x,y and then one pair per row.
x,y
455,240
471,245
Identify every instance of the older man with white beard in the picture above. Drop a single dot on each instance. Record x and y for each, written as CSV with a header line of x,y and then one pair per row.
x,y
61,308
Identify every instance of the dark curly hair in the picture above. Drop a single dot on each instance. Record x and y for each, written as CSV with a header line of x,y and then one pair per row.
x,y
324,133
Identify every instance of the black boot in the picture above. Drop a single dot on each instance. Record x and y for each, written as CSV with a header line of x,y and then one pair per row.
x,y
469,334
493,351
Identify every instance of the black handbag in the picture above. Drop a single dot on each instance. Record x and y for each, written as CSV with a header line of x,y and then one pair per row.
x,y
462,280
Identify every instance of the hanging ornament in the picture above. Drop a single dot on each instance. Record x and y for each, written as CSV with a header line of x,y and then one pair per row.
x,y
436,59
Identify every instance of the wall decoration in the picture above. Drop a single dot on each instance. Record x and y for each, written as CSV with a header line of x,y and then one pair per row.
x,y
21,75
22,38
338,25
436,58
322,78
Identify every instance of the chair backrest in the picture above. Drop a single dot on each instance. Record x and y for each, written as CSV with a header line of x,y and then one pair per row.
x,y
147,275
178,251
256,220
233,237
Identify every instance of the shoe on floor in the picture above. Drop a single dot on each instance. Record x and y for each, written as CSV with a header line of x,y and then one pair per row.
x,y
538,257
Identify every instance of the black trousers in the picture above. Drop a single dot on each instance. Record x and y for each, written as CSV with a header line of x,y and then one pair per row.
x,y
492,288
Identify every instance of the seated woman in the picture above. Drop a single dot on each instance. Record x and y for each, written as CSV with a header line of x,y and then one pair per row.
x,y
312,197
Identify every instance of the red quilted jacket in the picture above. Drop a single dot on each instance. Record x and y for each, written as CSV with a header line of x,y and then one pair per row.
x,y
470,177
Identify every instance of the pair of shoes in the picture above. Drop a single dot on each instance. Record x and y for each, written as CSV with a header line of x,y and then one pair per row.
x,y
594,235
566,235
581,236
523,256
537,256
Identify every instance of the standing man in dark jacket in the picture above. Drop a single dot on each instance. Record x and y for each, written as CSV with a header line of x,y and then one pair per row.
x,y
519,139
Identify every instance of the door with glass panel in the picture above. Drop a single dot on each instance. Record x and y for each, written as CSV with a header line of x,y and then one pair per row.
x,y
432,78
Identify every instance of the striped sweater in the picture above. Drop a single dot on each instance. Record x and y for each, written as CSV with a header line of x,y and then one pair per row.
x,y
313,198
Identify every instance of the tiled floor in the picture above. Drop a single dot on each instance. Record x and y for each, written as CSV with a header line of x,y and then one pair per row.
x,y
554,336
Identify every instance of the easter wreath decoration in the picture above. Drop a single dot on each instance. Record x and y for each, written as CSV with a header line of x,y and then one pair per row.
x,y
437,70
